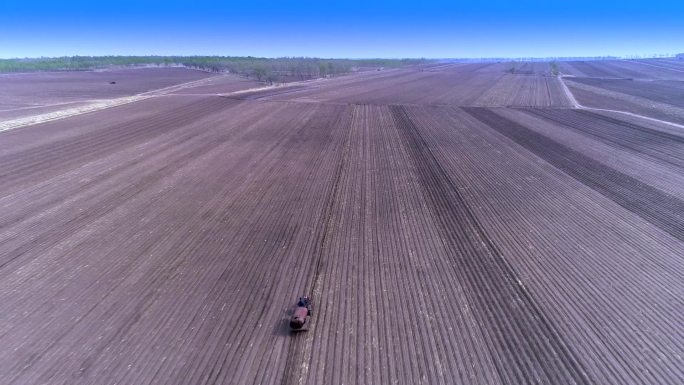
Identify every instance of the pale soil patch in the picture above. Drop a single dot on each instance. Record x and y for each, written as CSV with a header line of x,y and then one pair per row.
x,y
91,106
96,105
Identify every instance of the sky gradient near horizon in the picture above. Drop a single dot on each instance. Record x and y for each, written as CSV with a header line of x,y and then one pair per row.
x,y
354,29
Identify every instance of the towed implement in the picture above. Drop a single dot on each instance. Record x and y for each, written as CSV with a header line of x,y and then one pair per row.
x,y
300,317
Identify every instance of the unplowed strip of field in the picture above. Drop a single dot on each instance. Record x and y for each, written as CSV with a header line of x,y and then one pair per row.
x,y
655,206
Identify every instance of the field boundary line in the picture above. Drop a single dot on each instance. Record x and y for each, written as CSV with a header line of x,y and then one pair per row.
x,y
569,94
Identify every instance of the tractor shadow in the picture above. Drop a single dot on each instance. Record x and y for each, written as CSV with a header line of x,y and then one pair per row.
x,y
282,326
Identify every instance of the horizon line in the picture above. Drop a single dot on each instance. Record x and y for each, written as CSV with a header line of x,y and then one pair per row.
x,y
483,58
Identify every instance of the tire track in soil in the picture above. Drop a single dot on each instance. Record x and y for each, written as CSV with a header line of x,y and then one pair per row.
x,y
528,345
653,205
295,366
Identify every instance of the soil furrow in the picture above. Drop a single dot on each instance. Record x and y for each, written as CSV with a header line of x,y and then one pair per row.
x,y
508,312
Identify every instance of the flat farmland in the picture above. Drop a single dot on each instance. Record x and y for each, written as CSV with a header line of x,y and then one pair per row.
x,y
661,99
453,223
25,94
624,69
650,88
488,84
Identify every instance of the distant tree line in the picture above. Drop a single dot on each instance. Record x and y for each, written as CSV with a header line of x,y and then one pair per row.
x,y
261,69
559,58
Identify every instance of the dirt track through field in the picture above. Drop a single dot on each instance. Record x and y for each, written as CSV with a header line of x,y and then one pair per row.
x,y
444,237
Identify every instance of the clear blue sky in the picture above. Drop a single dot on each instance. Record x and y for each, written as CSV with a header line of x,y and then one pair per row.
x,y
324,28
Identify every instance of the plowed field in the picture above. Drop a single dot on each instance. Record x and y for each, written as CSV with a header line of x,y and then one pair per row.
x,y
453,223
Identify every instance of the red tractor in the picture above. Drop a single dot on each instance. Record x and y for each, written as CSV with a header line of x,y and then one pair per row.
x,y
301,314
